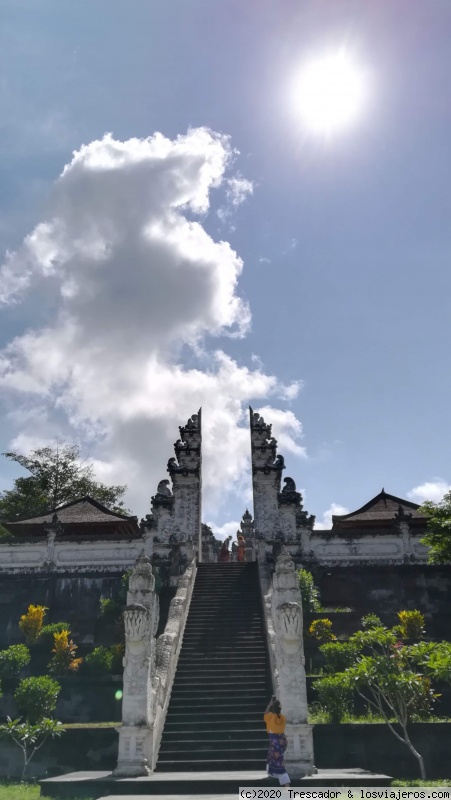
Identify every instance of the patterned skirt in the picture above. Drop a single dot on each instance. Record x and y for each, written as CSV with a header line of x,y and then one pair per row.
x,y
277,747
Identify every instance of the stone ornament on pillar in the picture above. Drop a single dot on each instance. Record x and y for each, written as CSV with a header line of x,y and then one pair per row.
x,y
176,506
278,512
140,623
291,685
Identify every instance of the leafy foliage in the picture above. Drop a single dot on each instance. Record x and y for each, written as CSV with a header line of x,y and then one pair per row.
x,y
335,696
36,697
393,678
321,630
371,621
109,608
30,736
99,661
57,477
13,660
438,534
412,625
309,592
339,655
63,660
117,652
31,623
48,631
105,660
5,536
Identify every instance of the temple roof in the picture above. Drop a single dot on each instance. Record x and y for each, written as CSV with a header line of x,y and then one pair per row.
x,y
381,510
85,517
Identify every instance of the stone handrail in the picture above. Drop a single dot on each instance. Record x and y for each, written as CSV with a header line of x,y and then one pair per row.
x,y
167,654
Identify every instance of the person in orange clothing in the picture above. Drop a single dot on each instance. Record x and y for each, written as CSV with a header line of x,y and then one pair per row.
x,y
241,556
275,727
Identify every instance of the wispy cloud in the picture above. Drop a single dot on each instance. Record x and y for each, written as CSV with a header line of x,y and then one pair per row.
x,y
325,523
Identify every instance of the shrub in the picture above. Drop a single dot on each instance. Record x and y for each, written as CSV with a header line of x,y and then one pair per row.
x,y
117,653
36,697
31,623
411,625
334,696
99,661
309,592
321,630
5,535
371,621
109,608
48,631
63,659
339,655
13,659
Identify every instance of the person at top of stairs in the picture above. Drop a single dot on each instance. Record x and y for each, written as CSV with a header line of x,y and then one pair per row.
x,y
241,549
275,727
224,554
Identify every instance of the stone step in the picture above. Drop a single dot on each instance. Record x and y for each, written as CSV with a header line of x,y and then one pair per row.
x,y
210,675
237,747
191,784
222,690
210,733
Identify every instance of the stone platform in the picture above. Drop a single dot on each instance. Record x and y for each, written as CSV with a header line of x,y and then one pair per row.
x,y
193,784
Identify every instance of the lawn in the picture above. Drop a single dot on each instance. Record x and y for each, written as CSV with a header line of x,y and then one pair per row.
x,y
23,791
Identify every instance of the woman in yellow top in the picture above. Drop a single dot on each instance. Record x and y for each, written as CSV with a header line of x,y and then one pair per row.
x,y
275,727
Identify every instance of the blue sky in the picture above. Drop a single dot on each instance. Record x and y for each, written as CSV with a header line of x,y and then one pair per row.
x,y
336,281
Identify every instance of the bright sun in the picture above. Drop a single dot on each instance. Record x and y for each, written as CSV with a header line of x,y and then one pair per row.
x,y
329,93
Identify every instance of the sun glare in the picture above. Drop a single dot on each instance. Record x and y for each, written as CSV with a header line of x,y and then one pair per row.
x,y
329,93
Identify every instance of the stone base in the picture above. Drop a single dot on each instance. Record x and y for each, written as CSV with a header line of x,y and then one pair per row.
x,y
299,754
134,751
128,770
300,769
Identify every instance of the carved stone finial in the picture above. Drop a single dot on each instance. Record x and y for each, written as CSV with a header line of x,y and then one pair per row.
x,y
402,515
54,527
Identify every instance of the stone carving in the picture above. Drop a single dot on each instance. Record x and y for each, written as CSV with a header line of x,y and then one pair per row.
x,y
140,621
286,638
176,507
136,622
279,516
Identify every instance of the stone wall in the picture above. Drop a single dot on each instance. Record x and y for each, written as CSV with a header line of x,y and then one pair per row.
x,y
72,598
370,747
387,589
102,555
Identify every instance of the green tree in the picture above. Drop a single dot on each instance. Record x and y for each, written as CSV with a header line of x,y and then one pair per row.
x,y
394,679
438,534
57,477
30,737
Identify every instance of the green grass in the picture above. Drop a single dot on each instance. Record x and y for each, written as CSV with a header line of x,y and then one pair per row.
x,y
444,782
78,725
23,791
318,717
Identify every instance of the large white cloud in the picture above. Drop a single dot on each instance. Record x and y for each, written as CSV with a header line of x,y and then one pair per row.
x,y
134,276
430,490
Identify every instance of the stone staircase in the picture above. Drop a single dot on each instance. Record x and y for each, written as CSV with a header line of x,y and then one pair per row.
x,y
222,684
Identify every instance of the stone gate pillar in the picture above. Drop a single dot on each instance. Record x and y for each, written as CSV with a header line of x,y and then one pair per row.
x,y
291,685
141,621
